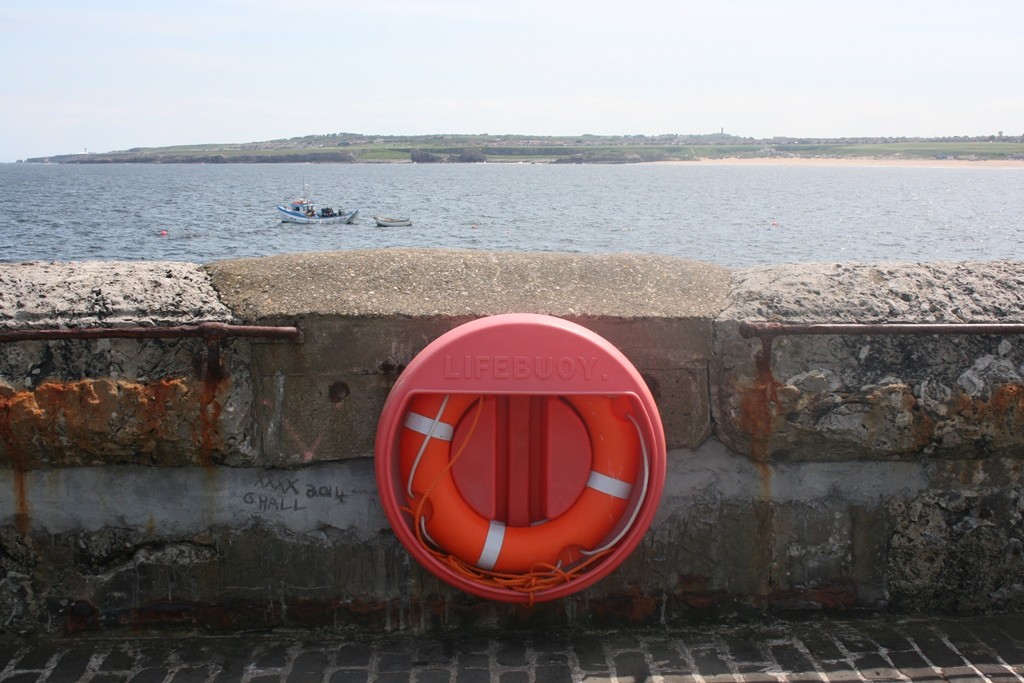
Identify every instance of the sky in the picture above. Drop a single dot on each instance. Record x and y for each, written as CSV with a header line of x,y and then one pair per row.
x,y
108,75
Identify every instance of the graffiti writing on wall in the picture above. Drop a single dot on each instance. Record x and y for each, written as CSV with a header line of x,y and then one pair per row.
x,y
290,493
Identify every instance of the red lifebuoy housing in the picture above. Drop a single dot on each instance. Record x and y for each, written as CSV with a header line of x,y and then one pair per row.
x,y
520,457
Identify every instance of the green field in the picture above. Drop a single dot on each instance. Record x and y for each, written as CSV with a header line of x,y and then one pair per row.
x,y
914,150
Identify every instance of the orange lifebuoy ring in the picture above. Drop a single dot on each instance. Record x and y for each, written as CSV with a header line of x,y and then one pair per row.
x,y
592,524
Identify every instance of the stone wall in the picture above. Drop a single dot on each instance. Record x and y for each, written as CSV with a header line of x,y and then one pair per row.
x,y
227,482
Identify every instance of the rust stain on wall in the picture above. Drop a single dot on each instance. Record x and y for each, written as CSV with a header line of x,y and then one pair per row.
x,y
22,519
922,425
19,463
758,408
209,417
214,379
997,421
1003,413
108,420
839,593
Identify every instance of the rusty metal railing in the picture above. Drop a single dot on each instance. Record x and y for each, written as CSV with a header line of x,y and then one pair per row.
x,y
773,329
207,330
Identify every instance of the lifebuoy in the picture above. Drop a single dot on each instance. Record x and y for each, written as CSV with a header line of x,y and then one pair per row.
x,y
595,522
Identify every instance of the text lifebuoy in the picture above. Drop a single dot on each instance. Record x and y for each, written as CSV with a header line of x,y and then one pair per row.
x,y
593,523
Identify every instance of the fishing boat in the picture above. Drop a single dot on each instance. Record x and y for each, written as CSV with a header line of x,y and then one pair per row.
x,y
386,222
307,211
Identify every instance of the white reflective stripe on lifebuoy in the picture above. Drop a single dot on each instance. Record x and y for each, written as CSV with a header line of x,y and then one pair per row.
x,y
423,530
492,545
429,426
432,428
616,488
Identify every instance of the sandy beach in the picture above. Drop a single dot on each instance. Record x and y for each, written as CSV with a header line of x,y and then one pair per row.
x,y
855,161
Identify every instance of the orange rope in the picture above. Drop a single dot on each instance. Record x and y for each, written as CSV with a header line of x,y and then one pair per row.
x,y
541,577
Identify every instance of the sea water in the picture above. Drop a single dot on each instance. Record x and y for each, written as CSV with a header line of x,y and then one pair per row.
x,y
733,215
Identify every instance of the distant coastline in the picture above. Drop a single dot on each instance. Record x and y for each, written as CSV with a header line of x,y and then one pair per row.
x,y
583,149
855,161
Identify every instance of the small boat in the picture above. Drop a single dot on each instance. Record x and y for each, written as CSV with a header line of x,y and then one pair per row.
x,y
306,211
385,222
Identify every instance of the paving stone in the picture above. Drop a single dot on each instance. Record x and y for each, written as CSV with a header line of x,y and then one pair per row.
x,y
802,676
754,677
118,659
36,658
939,653
196,675
109,677
789,658
151,675
389,662
995,671
632,665
999,638
711,663
514,677
872,665
854,641
553,653
909,659
308,666
24,677
391,677
1003,677
963,650
274,656
9,650
432,653
229,671
511,654
845,675
960,677
434,676
70,666
474,661
887,637
821,646
743,646
667,658
751,668
352,655
591,656
838,670
473,645
557,672
474,675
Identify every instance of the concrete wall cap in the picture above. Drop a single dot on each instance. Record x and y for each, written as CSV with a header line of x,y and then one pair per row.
x,y
447,282
106,293
939,292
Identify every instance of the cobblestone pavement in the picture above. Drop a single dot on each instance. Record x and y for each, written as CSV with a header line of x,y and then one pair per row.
x,y
975,649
